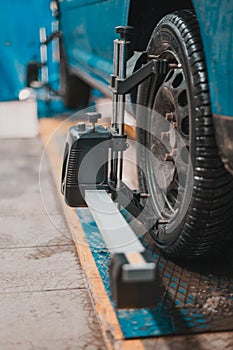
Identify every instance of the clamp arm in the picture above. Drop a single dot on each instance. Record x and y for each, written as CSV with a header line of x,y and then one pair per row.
x,y
124,86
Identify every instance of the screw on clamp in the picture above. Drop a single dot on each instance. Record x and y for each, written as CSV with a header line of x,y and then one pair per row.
x,y
93,118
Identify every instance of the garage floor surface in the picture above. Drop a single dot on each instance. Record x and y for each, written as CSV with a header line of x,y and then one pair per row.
x,y
44,301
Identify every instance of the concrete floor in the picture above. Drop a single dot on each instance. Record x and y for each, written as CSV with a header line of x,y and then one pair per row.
x,y
44,301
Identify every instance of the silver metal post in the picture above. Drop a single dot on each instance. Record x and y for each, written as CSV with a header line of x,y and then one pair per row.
x,y
116,73
44,67
43,55
114,108
121,105
120,61
122,75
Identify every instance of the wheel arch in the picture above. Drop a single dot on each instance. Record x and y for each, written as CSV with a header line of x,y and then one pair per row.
x,y
144,16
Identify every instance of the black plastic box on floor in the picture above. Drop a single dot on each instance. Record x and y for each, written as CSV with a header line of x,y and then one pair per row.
x,y
133,294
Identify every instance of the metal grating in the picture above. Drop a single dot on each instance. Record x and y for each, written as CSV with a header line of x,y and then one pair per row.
x,y
196,298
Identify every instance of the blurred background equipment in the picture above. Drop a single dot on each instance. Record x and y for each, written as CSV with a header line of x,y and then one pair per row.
x,y
29,54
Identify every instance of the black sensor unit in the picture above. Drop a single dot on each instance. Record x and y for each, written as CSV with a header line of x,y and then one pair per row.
x,y
85,162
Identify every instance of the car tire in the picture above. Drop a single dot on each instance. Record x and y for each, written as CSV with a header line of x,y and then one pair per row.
x,y
207,223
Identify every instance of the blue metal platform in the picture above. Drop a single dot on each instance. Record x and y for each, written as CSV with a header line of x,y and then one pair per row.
x,y
197,297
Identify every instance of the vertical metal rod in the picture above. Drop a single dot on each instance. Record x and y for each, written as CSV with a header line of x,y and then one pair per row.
x,y
122,74
55,43
43,55
115,109
121,105
120,59
116,73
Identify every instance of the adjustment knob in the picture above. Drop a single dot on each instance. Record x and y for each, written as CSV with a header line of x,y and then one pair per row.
x,y
125,32
93,117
